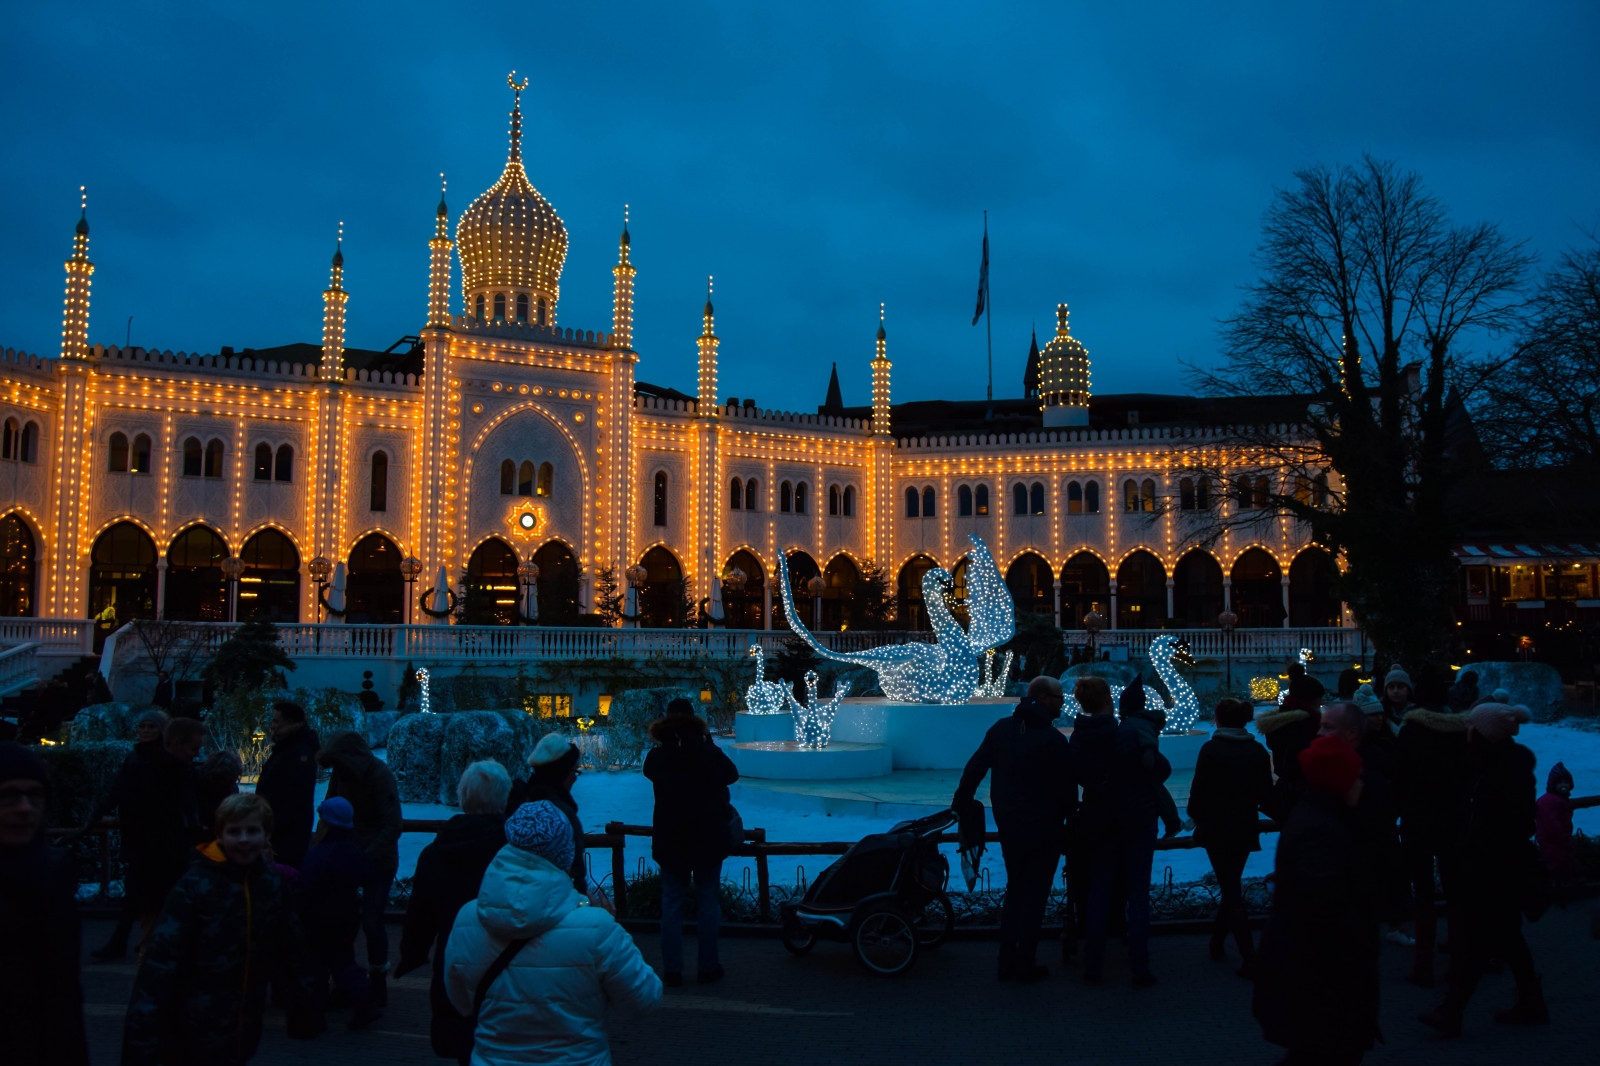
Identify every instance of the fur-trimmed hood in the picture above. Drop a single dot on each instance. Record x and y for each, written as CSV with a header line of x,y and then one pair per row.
x,y
1271,723
1439,721
678,729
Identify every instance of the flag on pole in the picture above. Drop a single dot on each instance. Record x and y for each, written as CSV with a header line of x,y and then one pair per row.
x,y
983,273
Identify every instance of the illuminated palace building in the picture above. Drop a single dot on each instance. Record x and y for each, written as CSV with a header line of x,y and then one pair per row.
x,y
141,483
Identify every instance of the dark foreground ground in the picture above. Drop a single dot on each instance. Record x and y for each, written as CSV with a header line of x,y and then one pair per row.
x,y
823,1010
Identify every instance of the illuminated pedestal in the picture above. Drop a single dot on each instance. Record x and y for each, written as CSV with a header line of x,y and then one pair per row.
x,y
747,726
786,760
1183,749
923,736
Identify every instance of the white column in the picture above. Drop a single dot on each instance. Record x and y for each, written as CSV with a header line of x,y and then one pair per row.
x,y
1055,594
1285,580
766,605
1171,597
161,586
1227,592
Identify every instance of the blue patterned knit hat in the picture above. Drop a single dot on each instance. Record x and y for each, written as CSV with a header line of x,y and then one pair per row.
x,y
543,830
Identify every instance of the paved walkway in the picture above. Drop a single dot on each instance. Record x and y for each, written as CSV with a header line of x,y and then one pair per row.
x,y
823,1010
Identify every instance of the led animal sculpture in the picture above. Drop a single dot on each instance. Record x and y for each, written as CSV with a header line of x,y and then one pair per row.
x,y
992,682
945,671
813,720
1184,708
764,697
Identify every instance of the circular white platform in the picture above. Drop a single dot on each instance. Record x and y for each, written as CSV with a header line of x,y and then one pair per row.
x,y
788,761
747,726
924,736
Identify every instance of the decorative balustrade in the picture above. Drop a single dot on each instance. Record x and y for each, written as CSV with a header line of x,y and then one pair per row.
x,y
1325,643
54,636
19,668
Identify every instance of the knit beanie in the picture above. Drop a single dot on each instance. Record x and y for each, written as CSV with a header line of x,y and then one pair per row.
x,y
680,706
1330,764
1132,698
1398,673
337,812
554,757
542,829
17,763
1497,721
1558,774
1367,700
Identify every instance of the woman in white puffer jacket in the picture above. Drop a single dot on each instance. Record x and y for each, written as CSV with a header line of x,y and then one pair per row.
x,y
549,1004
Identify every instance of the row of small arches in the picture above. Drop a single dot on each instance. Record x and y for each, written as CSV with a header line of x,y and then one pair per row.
x,y
793,497
525,479
973,500
20,443
500,306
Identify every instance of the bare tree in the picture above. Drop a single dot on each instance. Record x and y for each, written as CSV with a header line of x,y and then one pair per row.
x,y
175,648
1353,338
1542,407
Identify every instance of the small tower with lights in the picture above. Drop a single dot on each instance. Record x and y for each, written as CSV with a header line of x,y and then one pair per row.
x,y
75,309
622,291
1064,377
70,496
333,300
881,532
439,265
880,381
707,343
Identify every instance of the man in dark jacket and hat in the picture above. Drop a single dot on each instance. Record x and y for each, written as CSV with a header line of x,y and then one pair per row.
x,y
1287,731
1316,990
288,781
41,995
690,776
1033,791
362,778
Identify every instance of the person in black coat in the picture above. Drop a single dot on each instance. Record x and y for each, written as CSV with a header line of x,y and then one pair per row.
x,y
1497,854
41,994
329,887
1431,785
554,766
449,873
160,819
147,745
690,775
1231,789
1316,990
1287,732
1033,791
288,781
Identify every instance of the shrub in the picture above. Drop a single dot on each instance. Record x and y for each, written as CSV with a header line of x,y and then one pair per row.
x,y
630,718
79,775
106,721
469,736
415,743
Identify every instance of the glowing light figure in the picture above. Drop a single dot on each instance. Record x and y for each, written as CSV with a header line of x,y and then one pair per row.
x,y
423,701
992,682
764,697
945,671
813,720
1184,709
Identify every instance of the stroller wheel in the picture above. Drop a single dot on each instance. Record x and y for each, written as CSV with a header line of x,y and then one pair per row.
x,y
797,939
934,922
886,941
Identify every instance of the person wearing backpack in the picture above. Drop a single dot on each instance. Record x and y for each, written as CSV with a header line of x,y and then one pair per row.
x,y
537,961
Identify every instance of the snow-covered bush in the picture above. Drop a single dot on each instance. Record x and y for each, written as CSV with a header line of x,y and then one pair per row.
x,y
506,737
80,773
630,718
415,743
1536,686
107,721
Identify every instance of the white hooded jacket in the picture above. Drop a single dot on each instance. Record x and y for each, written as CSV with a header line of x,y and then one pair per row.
x,y
549,1005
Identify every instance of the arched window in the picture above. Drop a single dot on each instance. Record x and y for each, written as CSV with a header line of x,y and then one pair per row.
x,y
263,462
1074,498
1019,498
547,475
800,498
541,311
661,498
928,508
193,457
736,495
1130,495
1302,490
752,495
1319,484
1202,494
1241,492
30,443
833,499
785,497
980,499
849,501
1147,496
379,489
10,442
1261,492
214,454
522,307
912,504
499,307
525,478
139,460
964,501
1091,497
1036,498
477,309
283,465
1186,494
508,477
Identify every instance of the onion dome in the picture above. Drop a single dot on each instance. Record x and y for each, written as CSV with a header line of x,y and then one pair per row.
x,y
510,239
1064,376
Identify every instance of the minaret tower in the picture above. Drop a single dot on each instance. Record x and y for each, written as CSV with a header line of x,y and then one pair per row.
x,y
881,531
68,559
708,360
439,265
880,381
622,291
333,301
1064,377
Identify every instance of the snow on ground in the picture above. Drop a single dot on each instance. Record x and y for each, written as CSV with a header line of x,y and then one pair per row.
x,y
625,796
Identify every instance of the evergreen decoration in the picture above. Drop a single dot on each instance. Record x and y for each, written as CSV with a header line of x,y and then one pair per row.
x,y
608,597
250,658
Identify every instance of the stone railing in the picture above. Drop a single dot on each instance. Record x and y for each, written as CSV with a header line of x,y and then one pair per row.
x,y
19,668
1325,643
54,636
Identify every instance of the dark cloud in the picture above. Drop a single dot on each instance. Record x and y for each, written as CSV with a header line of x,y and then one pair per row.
x,y
816,159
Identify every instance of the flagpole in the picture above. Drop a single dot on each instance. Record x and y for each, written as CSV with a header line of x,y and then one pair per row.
x,y
988,312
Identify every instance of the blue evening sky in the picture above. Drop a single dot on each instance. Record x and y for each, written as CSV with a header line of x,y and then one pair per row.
x,y
817,158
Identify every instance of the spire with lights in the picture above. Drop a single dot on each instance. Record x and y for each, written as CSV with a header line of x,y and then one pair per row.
x,y
333,301
1064,377
75,308
880,381
439,264
707,343
622,291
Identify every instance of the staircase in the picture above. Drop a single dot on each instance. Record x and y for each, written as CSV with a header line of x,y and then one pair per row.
x,y
39,710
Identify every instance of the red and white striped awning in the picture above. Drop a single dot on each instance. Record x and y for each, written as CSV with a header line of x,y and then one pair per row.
x,y
1527,554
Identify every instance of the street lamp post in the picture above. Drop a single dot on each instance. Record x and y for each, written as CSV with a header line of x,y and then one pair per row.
x,y
815,587
528,573
636,576
732,581
319,568
232,567
1226,621
1094,621
410,567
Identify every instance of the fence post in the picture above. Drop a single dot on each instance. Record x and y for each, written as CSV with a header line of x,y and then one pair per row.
x,y
619,873
763,886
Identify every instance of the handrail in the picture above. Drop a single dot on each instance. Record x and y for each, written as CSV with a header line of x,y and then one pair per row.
x,y
19,666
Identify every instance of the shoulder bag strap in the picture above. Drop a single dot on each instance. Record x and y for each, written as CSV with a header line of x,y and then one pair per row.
x,y
496,968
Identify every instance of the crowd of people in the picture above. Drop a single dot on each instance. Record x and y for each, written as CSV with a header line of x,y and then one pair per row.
x,y
241,898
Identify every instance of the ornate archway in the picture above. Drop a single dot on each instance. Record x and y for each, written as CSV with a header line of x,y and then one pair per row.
x,y
558,584
196,588
1197,590
493,597
18,555
663,596
1085,587
910,611
841,577
741,607
374,590
1031,584
1313,589
1141,592
269,584
1258,590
